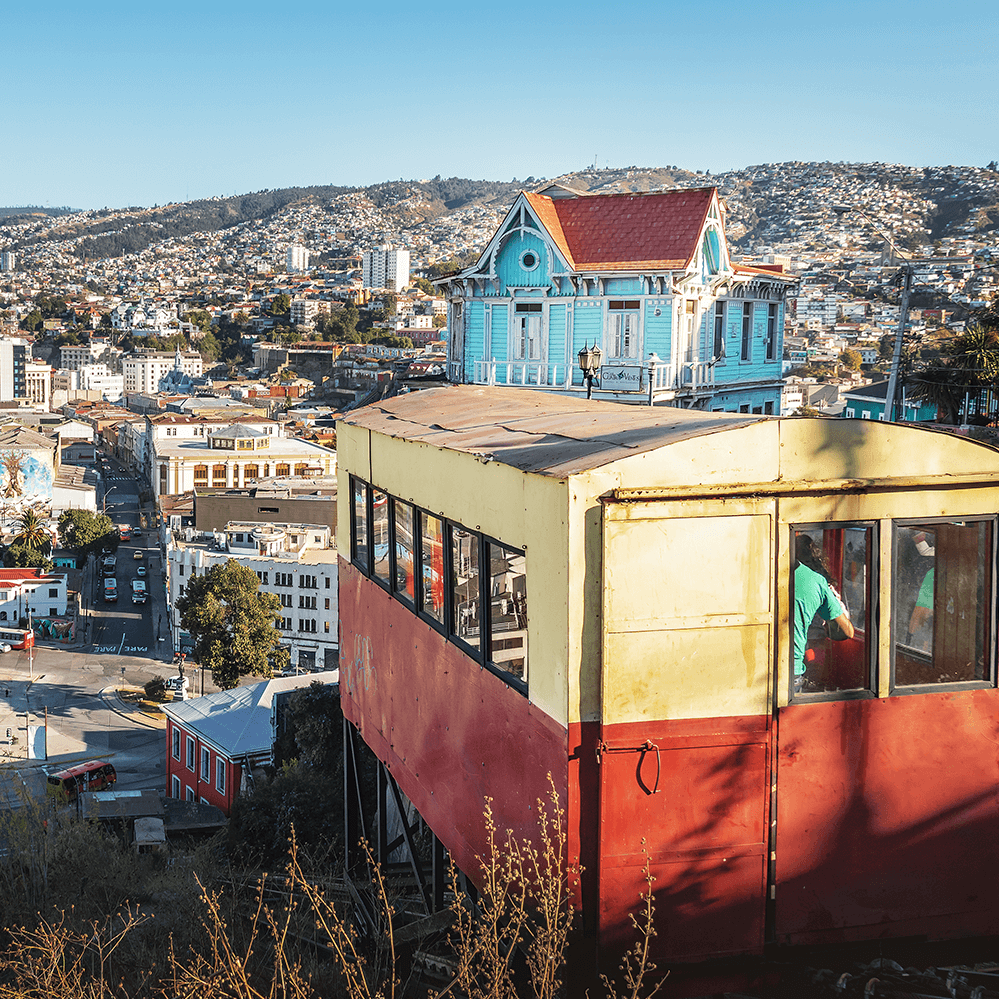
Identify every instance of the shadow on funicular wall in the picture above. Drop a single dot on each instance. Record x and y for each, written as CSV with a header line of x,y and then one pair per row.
x,y
883,807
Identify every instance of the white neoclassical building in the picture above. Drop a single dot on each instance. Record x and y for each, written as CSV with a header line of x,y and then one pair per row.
x,y
231,457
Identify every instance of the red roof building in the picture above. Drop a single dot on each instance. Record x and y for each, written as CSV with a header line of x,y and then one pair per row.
x,y
645,277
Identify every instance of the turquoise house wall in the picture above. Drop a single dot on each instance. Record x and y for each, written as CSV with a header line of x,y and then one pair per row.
x,y
658,329
587,329
474,328
508,265
500,329
556,338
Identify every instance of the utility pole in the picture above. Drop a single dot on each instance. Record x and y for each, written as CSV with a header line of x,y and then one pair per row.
x,y
903,308
896,359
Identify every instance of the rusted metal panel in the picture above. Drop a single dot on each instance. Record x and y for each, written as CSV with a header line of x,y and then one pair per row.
x,y
887,816
536,431
697,794
450,731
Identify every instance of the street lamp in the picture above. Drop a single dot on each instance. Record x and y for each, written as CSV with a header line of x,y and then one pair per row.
x,y
590,359
107,493
654,359
903,307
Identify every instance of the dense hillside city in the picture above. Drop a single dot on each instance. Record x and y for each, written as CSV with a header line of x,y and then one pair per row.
x,y
838,227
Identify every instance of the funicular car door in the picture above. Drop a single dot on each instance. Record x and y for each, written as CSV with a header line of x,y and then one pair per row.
x,y
888,753
684,750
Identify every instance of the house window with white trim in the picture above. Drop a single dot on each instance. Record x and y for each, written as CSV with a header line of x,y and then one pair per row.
x,y
220,774
527,331
623,329
205,764
747,331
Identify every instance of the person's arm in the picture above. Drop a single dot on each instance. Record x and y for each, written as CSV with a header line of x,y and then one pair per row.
x,y
845,624
920,616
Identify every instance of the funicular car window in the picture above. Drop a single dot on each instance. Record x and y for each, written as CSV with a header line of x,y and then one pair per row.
x,y
431,600
359,540
403,582
832,625
466,612
942,602
508,610
380,535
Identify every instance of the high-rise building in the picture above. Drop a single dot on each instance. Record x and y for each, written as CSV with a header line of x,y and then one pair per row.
x,y
8,261
384,267
298,259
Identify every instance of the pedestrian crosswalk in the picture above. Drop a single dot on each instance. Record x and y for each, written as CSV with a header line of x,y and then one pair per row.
x,y
119,478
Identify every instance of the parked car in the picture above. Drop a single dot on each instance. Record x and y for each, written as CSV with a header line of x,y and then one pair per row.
x,y
174,683
4,647
137,555
141,571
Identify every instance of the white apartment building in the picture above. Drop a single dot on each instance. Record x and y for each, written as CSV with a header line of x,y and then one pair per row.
x,y
303,311
14,355
38,384
298,259
296,562
8,261
144,369
384,267
75,357
100,378
43,594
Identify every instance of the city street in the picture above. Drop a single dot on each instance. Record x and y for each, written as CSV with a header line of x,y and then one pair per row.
x,y
72,690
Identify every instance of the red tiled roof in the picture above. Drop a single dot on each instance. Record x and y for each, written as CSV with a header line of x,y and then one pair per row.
x,y
20,575
626,231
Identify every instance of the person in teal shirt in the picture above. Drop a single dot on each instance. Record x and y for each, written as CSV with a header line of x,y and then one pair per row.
x,y
813,595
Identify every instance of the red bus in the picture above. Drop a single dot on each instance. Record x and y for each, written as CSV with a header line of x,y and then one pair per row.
x,y
17,638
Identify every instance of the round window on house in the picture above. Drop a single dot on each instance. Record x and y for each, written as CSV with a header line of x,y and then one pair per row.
x,y
529,260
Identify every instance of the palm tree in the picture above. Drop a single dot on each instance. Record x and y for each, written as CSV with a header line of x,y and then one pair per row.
x,y
967,375
31,532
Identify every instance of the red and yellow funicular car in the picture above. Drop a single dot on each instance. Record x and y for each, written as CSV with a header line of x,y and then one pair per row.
x,y
765,647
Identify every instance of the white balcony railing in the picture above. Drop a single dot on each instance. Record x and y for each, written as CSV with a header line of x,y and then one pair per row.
x,y
667,379
535,373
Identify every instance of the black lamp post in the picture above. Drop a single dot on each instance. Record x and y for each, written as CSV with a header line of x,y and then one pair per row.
x,y
590,359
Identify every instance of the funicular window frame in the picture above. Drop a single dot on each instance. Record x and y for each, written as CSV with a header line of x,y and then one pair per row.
x,y
870,623
415,602
990,565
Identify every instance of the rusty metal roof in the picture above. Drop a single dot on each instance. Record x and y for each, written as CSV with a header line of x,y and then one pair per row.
x,y
541,432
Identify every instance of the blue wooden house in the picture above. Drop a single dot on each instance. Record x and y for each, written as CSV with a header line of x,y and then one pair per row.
x,y
646,277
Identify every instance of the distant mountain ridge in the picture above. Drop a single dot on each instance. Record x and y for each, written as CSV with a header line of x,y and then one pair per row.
x,y
770,203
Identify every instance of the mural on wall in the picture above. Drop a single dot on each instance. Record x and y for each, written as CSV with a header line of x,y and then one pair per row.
x,y
24,479
54,629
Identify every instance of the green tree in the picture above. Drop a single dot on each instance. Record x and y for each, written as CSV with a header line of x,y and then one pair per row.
x,y
968,370
32,322
425,286
22,557
209,347
280,304
390,340
32,533
231,623
851,360
390,300
241,319
105,323
439,322
85,532
199,318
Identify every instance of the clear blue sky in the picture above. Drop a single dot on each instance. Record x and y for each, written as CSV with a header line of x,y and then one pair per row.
x,y
136,103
